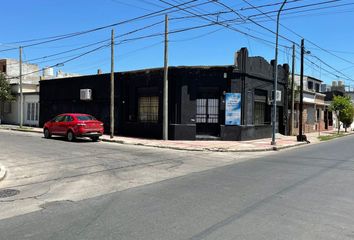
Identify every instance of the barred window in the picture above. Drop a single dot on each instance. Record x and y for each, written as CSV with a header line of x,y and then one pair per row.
x,y
259,113
149,109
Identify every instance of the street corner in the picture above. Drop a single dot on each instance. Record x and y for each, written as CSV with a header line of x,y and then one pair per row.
x,y
3,172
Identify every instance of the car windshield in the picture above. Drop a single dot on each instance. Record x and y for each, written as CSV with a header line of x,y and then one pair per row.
x,y
85,117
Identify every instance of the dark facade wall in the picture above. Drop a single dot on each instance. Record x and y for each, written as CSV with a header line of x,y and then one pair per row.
x,y
244,133
134,85
253,77
63,95
256,74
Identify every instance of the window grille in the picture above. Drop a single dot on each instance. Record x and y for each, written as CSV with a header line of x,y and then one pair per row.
x,y
259,113
207,110
149,109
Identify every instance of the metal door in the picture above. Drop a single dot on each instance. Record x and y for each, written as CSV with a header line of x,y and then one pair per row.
x,y
207,118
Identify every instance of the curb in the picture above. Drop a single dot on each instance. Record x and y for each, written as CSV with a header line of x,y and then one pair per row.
x,y
3,172
206,149
19,129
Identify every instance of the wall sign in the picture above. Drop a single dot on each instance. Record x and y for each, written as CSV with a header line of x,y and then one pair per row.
x,y
232,108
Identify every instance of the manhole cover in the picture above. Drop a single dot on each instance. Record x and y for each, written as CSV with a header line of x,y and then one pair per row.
x,y
4,193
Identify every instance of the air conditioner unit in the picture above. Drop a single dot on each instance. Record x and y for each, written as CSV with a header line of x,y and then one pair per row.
x,y
86,94
277,97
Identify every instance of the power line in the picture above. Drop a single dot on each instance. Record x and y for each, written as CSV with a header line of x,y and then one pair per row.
x,y
243,17
121,42
96,43
130,5
262,18
134,39
196,37
223,24
332,67
331,50
70,35
343,59
311,43
259,16
268,5
66,61
302,6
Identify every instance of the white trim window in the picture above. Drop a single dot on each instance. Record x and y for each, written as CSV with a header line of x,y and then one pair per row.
x,y
32,111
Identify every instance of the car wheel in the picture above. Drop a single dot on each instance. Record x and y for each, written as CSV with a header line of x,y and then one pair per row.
x,y
70,136
94,139
47,133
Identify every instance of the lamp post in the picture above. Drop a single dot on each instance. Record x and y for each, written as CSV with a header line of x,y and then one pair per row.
x,y
276,77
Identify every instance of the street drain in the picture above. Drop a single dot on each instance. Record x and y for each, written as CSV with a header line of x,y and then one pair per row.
x,y
5,193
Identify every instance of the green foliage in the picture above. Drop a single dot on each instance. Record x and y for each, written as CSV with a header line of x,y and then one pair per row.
x,y
330,137
5,90
344,106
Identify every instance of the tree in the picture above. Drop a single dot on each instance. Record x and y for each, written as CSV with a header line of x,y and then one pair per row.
x,y
5,90
346,116
343,107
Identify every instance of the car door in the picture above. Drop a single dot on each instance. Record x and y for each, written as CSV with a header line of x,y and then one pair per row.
x,y
67,124
57,125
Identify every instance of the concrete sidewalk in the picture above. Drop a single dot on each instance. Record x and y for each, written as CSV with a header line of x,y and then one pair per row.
x,y
282,142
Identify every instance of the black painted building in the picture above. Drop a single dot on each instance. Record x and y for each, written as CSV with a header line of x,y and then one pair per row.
x,y
196,100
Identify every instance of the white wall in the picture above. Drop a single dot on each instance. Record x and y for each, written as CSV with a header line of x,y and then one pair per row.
x,y
31,113
13,117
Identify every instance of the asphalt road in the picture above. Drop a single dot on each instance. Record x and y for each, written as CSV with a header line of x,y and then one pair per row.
x,y
304,193
44,171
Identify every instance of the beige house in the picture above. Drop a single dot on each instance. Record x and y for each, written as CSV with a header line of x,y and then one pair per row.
x,y
315,110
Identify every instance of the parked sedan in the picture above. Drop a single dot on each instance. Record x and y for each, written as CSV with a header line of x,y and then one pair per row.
x,y
73,125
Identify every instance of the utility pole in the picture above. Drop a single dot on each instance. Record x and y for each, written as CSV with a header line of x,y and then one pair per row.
x,y
301,137
165,84
292,92
276,77
21,93
112,85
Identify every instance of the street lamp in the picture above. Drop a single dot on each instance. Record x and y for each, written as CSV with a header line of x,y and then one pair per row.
x,y
276,77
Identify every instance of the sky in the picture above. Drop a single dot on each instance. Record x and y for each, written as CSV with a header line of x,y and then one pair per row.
x,y
202,32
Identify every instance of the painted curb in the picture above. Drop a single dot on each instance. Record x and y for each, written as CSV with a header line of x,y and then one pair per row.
x,y
3,172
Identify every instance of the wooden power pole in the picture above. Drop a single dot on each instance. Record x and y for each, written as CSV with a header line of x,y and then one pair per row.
x,y
292,92
301,137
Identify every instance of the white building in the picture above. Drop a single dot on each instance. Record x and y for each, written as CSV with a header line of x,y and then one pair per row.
x,y
31,75
10,111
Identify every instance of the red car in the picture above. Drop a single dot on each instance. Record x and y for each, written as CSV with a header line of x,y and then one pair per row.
x,y
72,125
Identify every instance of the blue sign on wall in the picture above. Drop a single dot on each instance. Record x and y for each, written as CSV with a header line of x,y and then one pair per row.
x,y
233,109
